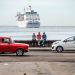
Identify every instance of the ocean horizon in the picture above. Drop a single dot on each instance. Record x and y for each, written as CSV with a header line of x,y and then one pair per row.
x,y
52,32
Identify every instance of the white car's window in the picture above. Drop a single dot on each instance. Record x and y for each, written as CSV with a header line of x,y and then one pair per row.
x,y
71,39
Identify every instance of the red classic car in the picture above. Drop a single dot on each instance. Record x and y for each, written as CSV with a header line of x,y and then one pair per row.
x,y
7,46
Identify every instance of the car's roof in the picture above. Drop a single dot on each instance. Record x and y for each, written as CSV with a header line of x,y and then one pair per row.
x,y
4,37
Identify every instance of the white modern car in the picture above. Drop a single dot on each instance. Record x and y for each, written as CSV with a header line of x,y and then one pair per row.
x,y
66,44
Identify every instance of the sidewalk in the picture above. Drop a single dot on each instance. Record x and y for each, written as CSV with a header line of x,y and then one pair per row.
x,y
39,48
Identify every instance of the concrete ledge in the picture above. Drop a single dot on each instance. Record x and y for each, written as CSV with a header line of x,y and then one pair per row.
x,y
48,43
39,48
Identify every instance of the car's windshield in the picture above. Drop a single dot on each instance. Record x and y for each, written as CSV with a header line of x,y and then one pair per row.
x,y
12,41
71,38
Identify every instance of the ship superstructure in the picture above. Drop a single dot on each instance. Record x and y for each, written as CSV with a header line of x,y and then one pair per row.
x,y
29,19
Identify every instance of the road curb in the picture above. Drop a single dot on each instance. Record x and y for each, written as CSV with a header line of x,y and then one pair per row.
x,y
40,49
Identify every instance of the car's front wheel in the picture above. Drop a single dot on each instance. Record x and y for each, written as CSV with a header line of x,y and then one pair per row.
x,y
19,52
59,49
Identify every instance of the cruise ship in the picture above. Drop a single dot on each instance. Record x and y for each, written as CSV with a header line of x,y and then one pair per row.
x,y
29,19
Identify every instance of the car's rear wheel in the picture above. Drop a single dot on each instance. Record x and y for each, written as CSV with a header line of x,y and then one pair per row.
x,y
59,49
19,52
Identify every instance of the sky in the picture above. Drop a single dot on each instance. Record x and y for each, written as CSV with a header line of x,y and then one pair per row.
x,y
52,12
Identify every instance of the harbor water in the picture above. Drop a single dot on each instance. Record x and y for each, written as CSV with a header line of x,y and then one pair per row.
x,y
53,32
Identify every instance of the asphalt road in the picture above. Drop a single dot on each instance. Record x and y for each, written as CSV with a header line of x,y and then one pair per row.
x,y
38,63
41,56
37,68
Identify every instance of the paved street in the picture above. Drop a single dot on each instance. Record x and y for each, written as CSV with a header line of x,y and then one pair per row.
x,y
44,56
38,63
37,68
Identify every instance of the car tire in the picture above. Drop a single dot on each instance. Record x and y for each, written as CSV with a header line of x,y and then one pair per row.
x,y
19,52
59,49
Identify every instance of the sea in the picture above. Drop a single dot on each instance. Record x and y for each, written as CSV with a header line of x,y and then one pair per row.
x,y
52,32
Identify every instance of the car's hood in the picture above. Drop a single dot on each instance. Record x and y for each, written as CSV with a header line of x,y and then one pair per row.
x,y
56,42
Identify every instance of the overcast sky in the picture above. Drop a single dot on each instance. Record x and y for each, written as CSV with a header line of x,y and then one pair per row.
x,y
52,12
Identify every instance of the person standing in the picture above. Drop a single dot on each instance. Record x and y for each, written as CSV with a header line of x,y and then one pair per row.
x,y
34,39
39,38
44,37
